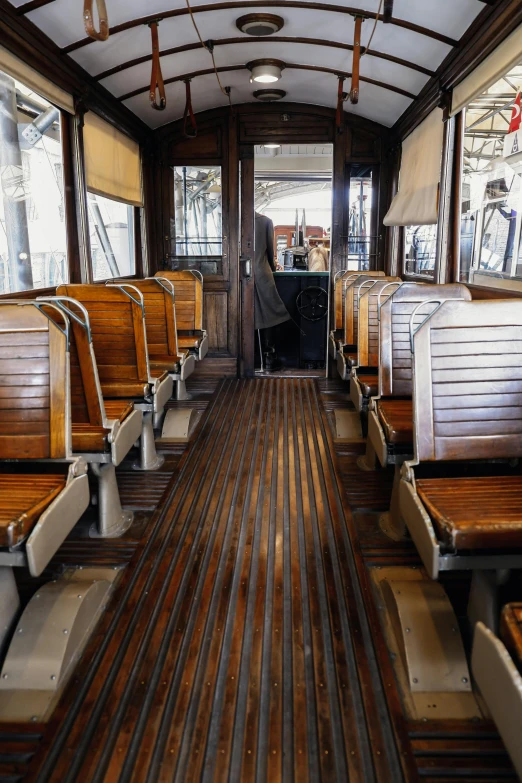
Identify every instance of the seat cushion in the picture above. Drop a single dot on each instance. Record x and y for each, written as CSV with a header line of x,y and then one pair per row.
x,y
189,342
89,438
369,384
118,409
511,631
396,417
23,499
475,513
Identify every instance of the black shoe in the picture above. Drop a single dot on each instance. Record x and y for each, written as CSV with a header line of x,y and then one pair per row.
x,y
272,361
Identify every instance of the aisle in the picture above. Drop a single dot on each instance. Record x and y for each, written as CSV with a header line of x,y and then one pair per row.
x,y
236,647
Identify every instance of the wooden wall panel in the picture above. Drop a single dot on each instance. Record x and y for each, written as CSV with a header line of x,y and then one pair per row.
x,y
215,320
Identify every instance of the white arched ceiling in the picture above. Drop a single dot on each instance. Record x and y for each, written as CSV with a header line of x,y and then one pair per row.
x,y
420,55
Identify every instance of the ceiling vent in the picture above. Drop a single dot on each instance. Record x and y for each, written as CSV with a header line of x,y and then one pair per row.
x,y
260,24
269,95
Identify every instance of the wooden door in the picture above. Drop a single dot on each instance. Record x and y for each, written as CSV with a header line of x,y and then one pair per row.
x,y
246,263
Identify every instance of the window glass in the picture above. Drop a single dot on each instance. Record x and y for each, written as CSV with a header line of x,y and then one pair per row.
x,y
33,243
491,208
420,250
198,211
111,229
359,223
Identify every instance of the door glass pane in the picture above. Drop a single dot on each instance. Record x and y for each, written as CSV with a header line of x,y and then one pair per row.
x,y
198,211
33,242
359,223
420,250
111,229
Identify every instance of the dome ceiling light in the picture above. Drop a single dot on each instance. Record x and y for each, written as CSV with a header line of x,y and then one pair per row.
x,y
265,71
260,24
269,94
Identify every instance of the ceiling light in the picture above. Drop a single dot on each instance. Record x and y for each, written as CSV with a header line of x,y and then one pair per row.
x,y
265,71
269,94
260,24
272,146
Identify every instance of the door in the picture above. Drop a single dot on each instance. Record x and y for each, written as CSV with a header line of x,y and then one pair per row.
x,y
246,263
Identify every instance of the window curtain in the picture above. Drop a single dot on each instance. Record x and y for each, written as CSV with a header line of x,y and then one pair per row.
x,y
112,162
416,202
22,72
490,70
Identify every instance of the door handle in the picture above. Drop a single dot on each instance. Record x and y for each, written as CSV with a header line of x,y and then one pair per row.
x,y
247,266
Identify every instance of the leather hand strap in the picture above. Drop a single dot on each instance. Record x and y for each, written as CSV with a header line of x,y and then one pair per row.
x,y
354,92
189,113
156,79
88,20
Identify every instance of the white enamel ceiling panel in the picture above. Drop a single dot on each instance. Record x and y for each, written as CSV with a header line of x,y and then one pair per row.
x,y
449,17
314,88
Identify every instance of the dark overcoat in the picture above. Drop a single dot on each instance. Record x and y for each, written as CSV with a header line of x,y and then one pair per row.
x,y
269,309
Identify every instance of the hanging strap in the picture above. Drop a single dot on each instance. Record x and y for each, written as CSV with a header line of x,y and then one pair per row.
x,y
354,92
188,113
340,99
388,11
156,77
88,20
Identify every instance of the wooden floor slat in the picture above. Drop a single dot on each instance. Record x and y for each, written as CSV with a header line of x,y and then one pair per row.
x,y
236,646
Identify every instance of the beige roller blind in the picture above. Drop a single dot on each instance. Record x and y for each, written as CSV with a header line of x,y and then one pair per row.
x,y
19,70
416,202
112,162
490,70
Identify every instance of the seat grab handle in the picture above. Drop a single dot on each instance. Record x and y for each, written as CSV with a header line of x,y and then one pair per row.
x,y
413,332
88,20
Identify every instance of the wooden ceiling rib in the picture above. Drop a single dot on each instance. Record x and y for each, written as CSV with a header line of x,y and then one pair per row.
x,y
230,4
289,66
253,39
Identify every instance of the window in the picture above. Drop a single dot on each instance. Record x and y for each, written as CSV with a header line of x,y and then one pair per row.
x,y
359,223
111,230
198,211
420,250
33,242
491,208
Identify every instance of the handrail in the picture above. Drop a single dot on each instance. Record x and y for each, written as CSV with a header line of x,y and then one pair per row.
x,y
123,286
165,283
438,302
34,302
398,283
59,299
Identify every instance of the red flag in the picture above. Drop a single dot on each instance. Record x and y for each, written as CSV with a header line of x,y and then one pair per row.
x,y
514,125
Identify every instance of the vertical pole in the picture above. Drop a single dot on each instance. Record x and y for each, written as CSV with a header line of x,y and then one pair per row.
x,y
185,208
15,205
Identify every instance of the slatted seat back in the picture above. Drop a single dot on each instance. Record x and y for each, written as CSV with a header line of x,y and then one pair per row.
x,y
467,381
160,315
87,406
395,373
35,419
368,331
118,331
341,282
188,287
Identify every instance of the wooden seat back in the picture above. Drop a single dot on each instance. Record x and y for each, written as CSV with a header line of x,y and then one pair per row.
x,y
395,372
188,287
341,281
87,405
119,337
35,400
368,330
467,381
160,315
354,290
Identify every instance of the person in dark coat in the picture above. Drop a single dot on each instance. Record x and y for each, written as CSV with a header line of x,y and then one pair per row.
x,y
269,310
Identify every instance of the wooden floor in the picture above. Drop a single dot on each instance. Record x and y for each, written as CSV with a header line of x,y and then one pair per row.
x,y
237,647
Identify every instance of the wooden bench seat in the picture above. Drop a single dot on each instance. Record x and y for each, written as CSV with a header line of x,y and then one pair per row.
x,y
369,384
476,512
23,499
396,417
118,409
188,296
467,403
511,631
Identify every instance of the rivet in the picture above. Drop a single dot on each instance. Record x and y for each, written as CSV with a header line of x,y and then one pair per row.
x,y
65,630
407,630
464,679
78,596
53,676
20,630
5,676
415,680
34,718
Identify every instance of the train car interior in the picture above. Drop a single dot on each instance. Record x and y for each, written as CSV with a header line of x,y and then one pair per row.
x,y
260,391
